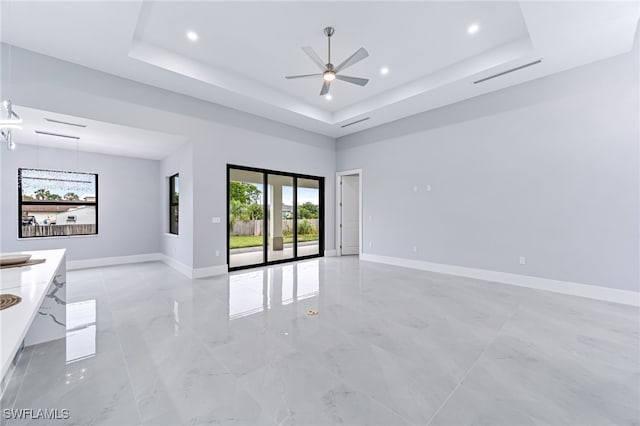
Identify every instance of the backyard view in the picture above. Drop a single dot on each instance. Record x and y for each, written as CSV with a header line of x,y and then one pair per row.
x,y
55,203
292,209
247,214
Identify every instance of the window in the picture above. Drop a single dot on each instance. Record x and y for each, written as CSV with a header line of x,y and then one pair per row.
x,y
57,203
273,216
174,201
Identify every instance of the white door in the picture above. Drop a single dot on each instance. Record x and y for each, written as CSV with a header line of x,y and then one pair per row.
x,y
349,215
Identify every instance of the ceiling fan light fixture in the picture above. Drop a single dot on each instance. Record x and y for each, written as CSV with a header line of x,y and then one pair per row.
x,y
329,76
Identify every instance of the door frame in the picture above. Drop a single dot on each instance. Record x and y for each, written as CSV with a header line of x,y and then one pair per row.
x,y
265,223
339,209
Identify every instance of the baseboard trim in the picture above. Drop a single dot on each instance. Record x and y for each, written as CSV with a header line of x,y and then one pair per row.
x,y
194,273
210,271
112,261
185,270
565,287
330,253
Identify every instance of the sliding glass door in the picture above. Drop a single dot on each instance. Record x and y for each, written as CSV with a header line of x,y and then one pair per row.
x,y
308,210
273,216
280,222
246,214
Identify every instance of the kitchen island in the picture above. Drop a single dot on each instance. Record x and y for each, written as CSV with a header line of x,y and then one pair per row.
x,y
41,315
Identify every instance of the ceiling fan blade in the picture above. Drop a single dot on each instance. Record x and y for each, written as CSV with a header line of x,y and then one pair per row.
x,y
353,59
314,57
325,88
353,80
303,76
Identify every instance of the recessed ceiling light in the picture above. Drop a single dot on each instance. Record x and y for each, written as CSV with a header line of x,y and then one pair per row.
x,y
473,28
328,97
384,70
192,35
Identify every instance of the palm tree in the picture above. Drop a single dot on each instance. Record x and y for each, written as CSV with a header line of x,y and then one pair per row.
x,y
42,194
71,196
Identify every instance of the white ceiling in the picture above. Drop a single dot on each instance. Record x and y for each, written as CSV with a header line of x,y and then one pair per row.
x,y
246,48
264,45
97,136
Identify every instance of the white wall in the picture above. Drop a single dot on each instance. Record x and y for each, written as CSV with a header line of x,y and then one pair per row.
x,y
547,170
178,247
216,136
234,146
128,196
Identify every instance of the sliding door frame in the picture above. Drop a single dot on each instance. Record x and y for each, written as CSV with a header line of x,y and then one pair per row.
x,y
265,222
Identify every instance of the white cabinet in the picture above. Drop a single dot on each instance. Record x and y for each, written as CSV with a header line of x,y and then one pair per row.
x,y
50,322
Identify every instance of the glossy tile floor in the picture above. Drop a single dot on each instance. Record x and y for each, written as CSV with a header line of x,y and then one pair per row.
x,y
389,346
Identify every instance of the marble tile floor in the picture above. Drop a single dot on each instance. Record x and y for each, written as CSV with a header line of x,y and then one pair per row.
x,y
390,346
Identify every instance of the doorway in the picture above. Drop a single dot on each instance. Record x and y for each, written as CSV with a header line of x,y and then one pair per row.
x,y
273,217
349,212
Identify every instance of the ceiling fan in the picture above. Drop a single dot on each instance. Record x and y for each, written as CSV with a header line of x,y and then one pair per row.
x,y
329,72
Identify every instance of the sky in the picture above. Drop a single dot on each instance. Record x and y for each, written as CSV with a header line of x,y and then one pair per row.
x,y
61,182
304,194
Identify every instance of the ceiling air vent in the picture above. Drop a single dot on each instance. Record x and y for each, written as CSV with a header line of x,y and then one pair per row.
x,y
58,135
508,71
355,122
51,120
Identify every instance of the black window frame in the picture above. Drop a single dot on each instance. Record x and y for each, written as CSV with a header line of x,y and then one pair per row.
x,y
22,202
265,178
172,204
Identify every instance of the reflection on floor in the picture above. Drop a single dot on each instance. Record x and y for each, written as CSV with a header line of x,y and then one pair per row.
x,y
81,330
389,346
243,257
260,290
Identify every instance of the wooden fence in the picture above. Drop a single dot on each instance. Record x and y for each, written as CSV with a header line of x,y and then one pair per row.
x,y
57,230
254,227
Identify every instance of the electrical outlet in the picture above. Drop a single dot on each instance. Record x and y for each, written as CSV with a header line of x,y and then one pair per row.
x,y
370,244
415,188
415,249
428,187
215,220
523,260
217,253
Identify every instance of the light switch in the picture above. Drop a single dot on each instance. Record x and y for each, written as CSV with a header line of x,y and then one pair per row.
x,y
215,220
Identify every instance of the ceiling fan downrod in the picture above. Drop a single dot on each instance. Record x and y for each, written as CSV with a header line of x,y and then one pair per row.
x,y
328,31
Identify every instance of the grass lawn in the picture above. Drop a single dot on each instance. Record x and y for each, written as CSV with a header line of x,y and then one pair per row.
x,y
242,241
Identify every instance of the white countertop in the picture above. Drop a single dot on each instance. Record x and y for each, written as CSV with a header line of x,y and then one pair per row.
x,y
30,283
